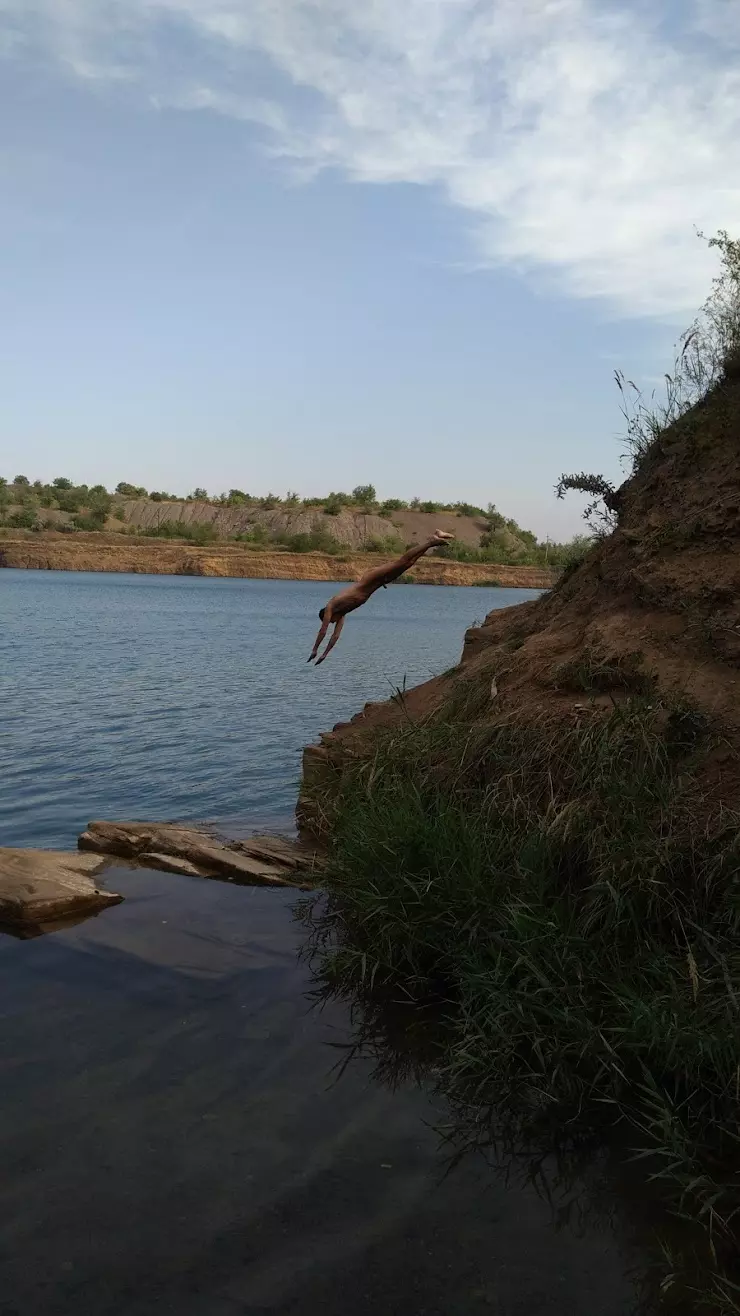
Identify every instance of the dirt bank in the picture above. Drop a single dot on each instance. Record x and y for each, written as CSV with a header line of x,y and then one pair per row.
x,y
121,553
656,606
547,839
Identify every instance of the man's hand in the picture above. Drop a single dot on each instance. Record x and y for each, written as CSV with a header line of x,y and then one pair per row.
x,y
339,623
319,638
442,537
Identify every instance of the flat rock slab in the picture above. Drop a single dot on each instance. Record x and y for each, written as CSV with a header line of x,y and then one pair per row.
x,y
194,851
40,888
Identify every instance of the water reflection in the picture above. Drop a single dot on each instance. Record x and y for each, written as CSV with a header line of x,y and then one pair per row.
x,y
191,696
583,1168
186,1129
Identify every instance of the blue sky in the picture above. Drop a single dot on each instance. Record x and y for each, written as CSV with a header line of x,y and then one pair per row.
x,y
311,244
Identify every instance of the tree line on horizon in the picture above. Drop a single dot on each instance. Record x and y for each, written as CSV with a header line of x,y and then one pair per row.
x,y
64,494
502,540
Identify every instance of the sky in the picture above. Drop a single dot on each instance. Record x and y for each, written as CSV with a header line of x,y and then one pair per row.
x,y
308,244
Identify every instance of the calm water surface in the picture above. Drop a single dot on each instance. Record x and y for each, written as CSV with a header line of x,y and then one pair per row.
x,y
175,1136
178,697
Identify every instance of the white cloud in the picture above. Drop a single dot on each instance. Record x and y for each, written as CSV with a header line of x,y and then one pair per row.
x,y
585,140
718,19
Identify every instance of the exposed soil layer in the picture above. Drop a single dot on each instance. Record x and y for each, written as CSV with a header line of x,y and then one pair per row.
x,y
53,551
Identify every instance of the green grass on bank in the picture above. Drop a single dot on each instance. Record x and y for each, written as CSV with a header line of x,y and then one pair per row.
x,y
575,900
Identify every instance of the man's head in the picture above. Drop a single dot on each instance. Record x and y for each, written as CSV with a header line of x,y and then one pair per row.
x,y
321,614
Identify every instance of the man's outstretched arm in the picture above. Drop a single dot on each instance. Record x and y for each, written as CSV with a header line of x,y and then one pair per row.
x,y
319,637
338,625
392,570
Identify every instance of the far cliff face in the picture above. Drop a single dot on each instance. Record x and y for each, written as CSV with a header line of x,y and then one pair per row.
x,y
121,553
351,528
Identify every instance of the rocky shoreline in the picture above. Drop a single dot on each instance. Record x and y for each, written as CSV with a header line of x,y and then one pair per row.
x,y
122,553
43,890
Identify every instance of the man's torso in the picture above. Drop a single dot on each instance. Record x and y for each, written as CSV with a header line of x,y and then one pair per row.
x,y
348,600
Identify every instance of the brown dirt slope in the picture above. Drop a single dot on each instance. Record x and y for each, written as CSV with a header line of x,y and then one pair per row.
x,y
49,551
655,607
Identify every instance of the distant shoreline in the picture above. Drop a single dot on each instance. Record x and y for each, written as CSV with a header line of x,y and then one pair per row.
x,y
49,551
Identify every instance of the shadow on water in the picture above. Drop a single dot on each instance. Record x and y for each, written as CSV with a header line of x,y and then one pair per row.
x,y
195,1121
185,1130
583,1167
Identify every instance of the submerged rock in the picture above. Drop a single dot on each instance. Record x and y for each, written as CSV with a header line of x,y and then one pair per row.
x,y
196,852
39,888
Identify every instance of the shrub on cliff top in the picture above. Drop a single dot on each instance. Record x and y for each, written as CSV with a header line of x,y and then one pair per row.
x,y
90,521
391,545
364,495
707,353
23,520
196,533
315,541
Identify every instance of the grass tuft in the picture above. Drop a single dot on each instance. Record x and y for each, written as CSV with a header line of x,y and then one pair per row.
x,y
573,901
595,673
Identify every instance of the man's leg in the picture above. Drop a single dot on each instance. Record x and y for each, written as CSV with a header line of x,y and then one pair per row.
x,y
384,575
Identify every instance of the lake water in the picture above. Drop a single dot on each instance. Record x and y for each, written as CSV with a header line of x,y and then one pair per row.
x,y
159,697
175,1134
